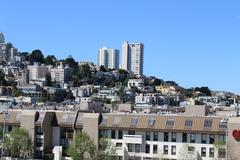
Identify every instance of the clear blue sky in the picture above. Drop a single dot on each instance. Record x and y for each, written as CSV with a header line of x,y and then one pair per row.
x,y
193,42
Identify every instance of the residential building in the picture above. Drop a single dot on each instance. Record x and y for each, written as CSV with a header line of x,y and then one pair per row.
x,y
7,51
136,136
108,94
155,137
24,77
52,128
146,100
60,74
132,57
109,58
2,38
37,72
139,83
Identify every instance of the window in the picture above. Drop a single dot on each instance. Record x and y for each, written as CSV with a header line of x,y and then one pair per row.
x,y
174,137
165,137
191,149
222,153
130,147
184,137
119,158
39,142
208,123
131,132
211,152
204,138
223,125
118,145
173,150
170,123
147,148
134,121
151,122
148,136
113,134
192,138
39,130
155,136
222,138
104,133
188,123
155,149
120,134
137,148
211,139
39,154
203,152
165,149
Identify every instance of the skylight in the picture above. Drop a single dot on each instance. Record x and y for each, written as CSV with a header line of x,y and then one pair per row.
x,y
134,121
188,123
208,123
169,122
151,122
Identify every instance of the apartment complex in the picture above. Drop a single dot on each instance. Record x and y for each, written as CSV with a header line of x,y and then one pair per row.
x,y
60,74
49,129
7,51
132,57
2,38
37,72
109,58
143,137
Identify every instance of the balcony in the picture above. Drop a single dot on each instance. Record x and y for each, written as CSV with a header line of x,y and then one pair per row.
x,y
133,139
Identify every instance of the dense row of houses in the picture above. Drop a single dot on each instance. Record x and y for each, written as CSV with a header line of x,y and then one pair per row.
x,y
135,136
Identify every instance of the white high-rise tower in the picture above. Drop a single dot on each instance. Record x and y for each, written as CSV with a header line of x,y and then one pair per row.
x,y
132,57
109,58
2,39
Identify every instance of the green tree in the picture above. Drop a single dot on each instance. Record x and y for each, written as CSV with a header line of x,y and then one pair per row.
x,y
71,62
18,143
204,90
16,92
50,60
82,147
48,79
102,69
36,56
107,150
85,71
3,81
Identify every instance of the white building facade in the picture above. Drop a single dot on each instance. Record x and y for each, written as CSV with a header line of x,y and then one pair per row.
x,y
109,58
132,57
60,74
37,72
151,137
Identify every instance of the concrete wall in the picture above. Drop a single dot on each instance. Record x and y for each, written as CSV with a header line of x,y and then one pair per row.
x,y
28,122
233,145
90,125
197,110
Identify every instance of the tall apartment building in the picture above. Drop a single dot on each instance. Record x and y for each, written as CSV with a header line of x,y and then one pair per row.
x,y
2,38
7,51
132,57
60,74
109,58
141,137
37,72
